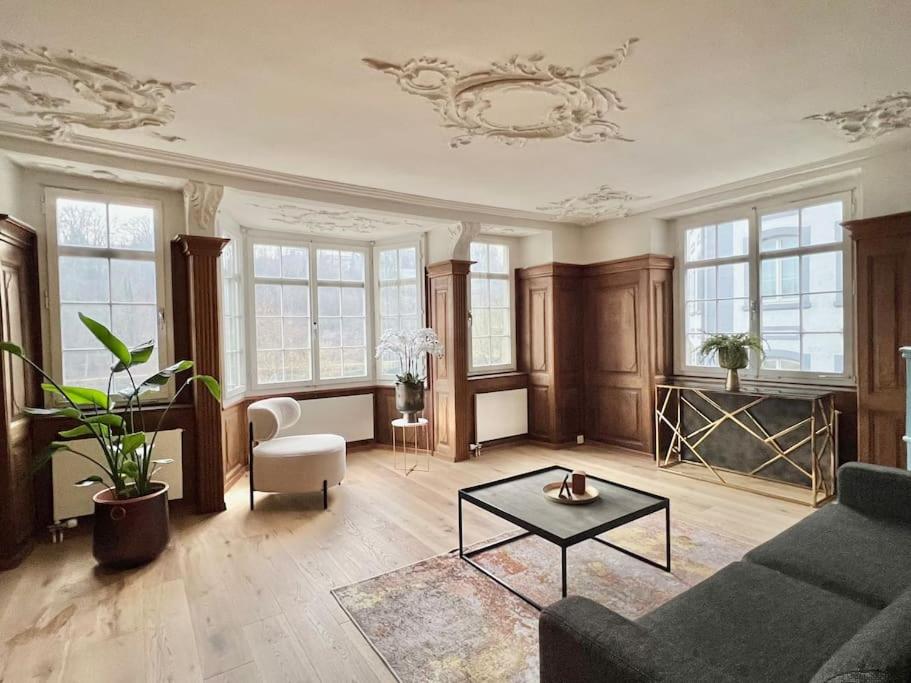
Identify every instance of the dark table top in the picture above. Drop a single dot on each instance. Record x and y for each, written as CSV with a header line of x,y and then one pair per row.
x,y
521,501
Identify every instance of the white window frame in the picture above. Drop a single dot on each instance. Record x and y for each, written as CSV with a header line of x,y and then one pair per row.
x,y
254,237
752,213
162,271
510,276
418,245
238,277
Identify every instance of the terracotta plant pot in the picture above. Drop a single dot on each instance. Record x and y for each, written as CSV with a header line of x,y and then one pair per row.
x,y
130,531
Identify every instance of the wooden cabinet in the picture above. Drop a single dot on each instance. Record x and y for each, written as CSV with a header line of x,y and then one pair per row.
x,y
882,253
627,344
19,323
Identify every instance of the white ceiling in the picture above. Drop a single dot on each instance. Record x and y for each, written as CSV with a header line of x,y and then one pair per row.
x,y
715,90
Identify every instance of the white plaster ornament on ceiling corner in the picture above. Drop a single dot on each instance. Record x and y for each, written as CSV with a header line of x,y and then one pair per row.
x,y
330,221
466,101
99,96
603,203
881,116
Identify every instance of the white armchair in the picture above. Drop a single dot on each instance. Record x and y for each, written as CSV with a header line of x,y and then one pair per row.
x,y
291,464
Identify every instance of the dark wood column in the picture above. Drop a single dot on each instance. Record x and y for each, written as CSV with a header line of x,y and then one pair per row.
x,y
549,329
19,387
448,307
204,313
882,247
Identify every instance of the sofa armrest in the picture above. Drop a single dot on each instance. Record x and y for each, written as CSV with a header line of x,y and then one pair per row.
x,y
584,642
876,490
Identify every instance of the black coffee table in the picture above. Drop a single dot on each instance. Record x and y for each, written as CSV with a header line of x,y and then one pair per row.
x,y
519,500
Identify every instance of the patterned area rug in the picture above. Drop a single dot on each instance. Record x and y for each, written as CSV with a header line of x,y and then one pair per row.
x,y
443,620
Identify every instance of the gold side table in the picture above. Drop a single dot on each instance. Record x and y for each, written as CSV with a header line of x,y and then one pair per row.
x,y
400,456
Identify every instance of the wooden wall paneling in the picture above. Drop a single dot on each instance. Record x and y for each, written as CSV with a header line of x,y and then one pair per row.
x,y
882,254
236,441
449,395
384,412
627,332
204,281
19,387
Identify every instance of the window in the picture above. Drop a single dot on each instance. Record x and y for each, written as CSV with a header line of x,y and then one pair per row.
x,y
309,328
342,313
281,295
399,297
233,323
108,266
775,271
491,307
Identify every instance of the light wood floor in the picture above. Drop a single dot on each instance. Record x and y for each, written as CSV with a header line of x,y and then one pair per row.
x,y
244,596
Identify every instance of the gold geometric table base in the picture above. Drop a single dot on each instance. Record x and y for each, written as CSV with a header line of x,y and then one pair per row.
x,y
821,433
400,450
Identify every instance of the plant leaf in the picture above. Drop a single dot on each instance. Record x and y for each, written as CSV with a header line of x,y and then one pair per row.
x,y
107,419
79,395
130,468
138,354
106,337
130,442
160,378
45,457
88,481
164,461
9,347
85,430
209,383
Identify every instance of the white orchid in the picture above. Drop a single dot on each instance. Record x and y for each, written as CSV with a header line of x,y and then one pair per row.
x,y
410,347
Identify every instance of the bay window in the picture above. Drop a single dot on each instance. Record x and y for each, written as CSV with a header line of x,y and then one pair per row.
x,y
106,261
491,307
775,270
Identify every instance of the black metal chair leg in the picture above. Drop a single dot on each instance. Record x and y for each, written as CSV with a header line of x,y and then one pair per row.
x,y
325,495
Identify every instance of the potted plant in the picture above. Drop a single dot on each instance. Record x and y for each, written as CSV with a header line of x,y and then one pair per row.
x,y
410,346
131,513
733,353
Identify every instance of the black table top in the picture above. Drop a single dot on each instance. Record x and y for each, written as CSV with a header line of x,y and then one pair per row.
x,y
520,500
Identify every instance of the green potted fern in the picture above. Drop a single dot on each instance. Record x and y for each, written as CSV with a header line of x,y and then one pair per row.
x,y
131,511
733,353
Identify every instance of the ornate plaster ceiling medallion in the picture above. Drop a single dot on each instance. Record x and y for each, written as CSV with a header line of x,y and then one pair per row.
x,y
886,114
62,90
331,221
603,203
467,101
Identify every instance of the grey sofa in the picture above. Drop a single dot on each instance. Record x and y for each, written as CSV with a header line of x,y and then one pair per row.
x,y
828,600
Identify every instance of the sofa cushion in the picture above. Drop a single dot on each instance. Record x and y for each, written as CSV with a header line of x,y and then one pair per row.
x,y
843,550
756,624
880,651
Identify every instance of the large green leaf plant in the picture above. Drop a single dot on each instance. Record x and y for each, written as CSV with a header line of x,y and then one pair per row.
x,y
115,421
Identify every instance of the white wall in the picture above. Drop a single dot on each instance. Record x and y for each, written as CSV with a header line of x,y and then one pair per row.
x,y
623,237
885,184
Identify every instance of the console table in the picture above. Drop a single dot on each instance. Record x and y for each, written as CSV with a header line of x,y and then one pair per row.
x,y
781,443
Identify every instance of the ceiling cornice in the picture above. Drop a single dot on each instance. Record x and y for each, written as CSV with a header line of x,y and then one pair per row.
x,y
25,139
757,186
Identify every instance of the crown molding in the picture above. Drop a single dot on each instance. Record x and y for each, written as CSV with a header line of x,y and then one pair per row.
x,y
815,173
26,139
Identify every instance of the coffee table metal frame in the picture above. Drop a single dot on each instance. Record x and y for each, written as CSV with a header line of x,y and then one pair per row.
x,y
661,503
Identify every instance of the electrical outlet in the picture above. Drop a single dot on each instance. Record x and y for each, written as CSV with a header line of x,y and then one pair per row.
x,y
580,438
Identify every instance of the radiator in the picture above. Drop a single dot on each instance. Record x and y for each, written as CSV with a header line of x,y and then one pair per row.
x,y
499,414
347,416
71,501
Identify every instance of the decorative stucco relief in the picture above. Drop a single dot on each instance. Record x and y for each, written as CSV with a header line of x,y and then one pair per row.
x,y
466,101
332,221
99,96
603,203
884,115
201,201
460,236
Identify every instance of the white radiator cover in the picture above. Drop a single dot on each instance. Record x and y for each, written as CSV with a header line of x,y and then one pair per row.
x,y
71,501
347,416
499,414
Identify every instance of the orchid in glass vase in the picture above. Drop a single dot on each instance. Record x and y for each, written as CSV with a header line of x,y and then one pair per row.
x,y
410,346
